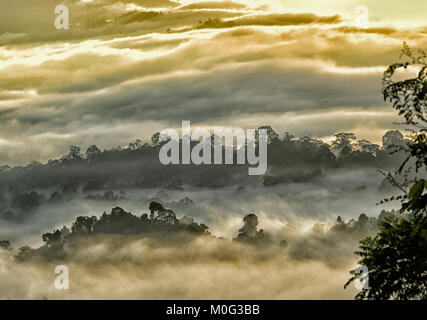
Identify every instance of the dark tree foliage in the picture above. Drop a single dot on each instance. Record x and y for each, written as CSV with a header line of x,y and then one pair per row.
x,y
409,98
53,239
83,225
162,224
162,221
249,233
5,244
396,259
290,160
138,166
397,256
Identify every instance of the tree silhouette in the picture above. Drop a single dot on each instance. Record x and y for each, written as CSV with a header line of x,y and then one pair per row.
x,y
249,233
397,256
343,140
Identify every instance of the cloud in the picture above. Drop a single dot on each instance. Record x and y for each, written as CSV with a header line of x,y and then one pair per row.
x,y
201,269
146,3
214,5
223,97
126,69
282,19
264,66
313,265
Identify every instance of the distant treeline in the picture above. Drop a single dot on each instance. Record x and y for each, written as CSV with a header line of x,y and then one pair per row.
x,y
162,223
137,166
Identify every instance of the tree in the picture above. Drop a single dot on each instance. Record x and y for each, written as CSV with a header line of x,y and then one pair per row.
x,y
324,154
5,244
409,98
397,256
159,213
93,152
249,233
83,225
271,134
155,139
392,138
396,259
74,153
52,239
343,140
367,146
135,145
155,208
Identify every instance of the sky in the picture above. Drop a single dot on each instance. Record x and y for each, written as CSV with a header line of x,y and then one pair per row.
x,y
126,69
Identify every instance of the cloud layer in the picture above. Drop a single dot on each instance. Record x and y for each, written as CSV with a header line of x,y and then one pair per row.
x,y
125,69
